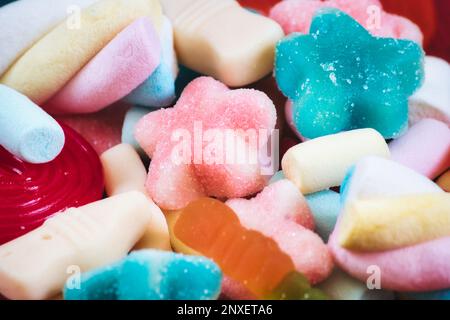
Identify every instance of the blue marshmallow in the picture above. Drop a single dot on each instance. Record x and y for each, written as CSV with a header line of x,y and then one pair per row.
x,y
26,130
151,275
325,207
159,88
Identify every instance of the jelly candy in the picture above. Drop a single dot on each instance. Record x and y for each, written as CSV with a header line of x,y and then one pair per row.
x,y
150,275
30,193
341,78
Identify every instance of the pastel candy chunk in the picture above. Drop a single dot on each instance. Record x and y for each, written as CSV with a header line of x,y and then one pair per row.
x,y
103,129
252,262
158,90
340,78
382,178
186,143
132,117
124,172
281,213
296,16
325,207
25,22
382,223
51,62
340,286
444,181
117,69
322,163
35,265
236,53
277,177
151,275
424,148
26,130
379,177
432,100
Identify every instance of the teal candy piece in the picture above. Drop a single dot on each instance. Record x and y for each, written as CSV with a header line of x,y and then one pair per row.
x,y
345,185
325,207
277,177
151,275
341,78
433,295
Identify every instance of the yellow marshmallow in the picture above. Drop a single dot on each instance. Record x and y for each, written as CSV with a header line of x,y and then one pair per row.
x,y
50,63
381,224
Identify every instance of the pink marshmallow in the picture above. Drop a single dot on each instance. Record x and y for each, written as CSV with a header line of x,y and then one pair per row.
x,y
280,212
205,170
296,16
423,267
127,61
425,148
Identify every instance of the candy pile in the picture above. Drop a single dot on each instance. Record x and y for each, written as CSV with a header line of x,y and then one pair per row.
x,y
210,95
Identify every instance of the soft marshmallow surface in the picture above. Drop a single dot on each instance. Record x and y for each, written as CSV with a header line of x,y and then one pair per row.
x,y
322,163
424,148
24,22
50,63
117,69
26,130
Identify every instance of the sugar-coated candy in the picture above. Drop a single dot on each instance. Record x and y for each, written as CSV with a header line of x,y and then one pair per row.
x,y
248,258
26,130
186,144
150,275
340,286
432,100
158,90
424,148
296,16
122,65
325,207
237,53
124,172
385,223
322,163
132,117
209,227
103,129
281,212
52,61
24,22
36,265
444,181
339,77
73,179
376,177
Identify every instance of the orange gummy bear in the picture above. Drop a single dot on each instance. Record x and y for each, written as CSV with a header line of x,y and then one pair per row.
x,y
211,228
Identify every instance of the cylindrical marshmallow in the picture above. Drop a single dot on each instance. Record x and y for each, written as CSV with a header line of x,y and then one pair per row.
x,y
36,265
52,61
26,130
24,22
123,172
425,148
322,163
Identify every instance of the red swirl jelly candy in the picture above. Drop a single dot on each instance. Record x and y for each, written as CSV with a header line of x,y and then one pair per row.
x,y
31,193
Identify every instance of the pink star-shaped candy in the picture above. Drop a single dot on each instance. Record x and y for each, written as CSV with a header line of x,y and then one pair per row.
x,y
191,157
296,16
280,212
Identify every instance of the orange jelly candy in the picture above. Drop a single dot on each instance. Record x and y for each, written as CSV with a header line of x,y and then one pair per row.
x,y
210,228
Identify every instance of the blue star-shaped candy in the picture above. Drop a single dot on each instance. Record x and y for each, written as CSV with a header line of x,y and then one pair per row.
x,y
340,77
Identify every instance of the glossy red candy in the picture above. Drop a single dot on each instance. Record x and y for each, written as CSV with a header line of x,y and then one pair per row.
x,y
31,193
262,6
